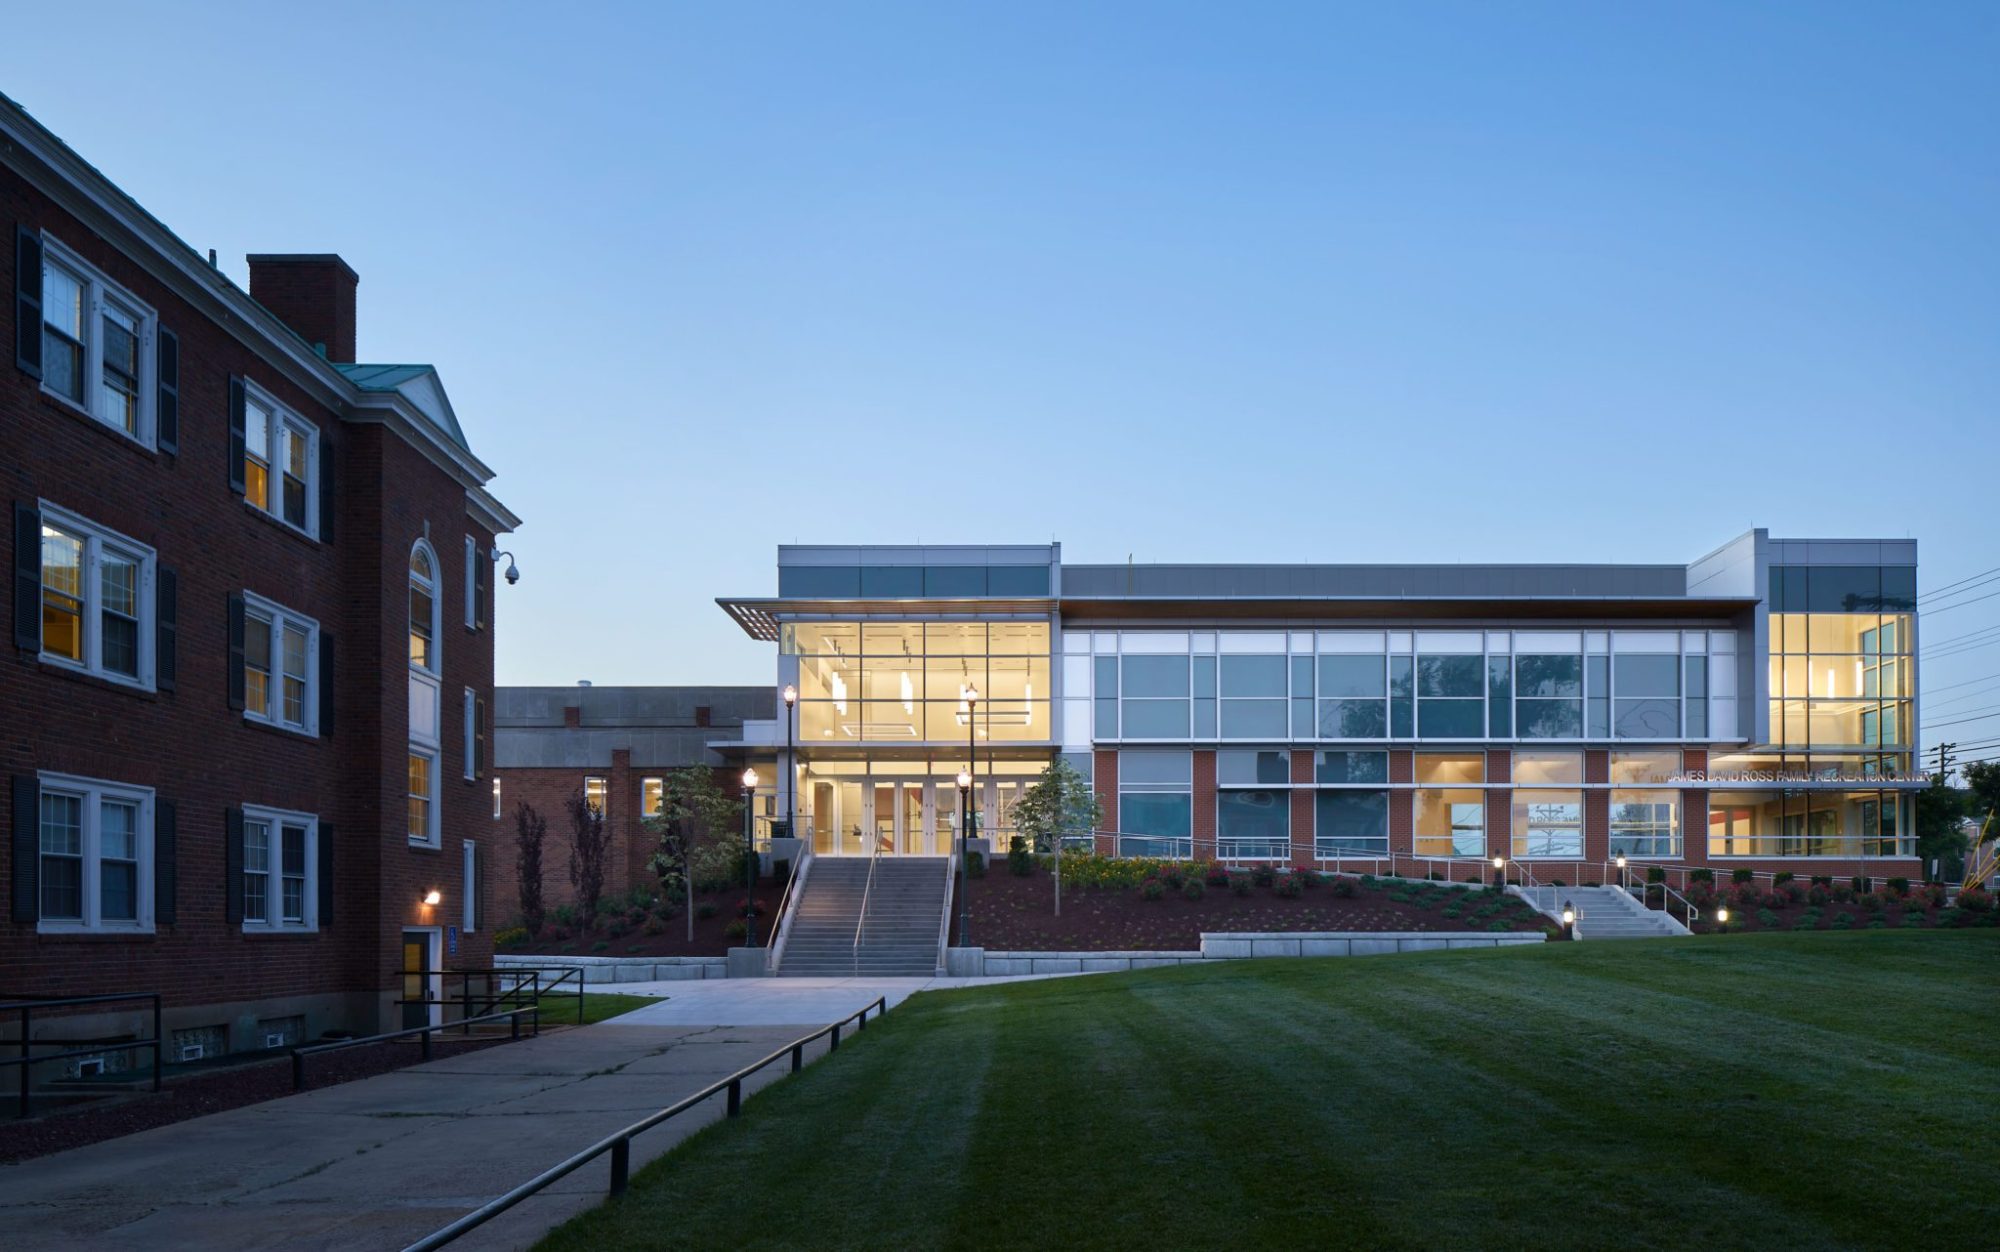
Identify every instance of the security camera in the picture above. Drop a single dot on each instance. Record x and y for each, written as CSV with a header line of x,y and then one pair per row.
x,y
513,573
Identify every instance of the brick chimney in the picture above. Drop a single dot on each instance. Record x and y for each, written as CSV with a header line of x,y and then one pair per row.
x,y
313,293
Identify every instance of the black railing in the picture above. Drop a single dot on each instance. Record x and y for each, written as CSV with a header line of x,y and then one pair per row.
x,y
424,1033
505,987
619,1143
26,1005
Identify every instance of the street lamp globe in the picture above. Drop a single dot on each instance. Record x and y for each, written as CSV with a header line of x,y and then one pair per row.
x,y
750,779
791,695
964,779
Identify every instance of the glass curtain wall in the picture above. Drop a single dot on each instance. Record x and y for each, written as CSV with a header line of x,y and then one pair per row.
x,y
905,682
1253,806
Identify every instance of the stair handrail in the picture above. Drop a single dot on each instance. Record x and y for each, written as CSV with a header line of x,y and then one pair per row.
x,y
1667,896
944,922
861,919
794,888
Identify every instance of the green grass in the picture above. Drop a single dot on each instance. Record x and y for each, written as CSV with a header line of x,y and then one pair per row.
x,y
1796,1091
560,1010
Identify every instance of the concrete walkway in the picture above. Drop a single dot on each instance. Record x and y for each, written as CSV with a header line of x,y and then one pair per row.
x,y
382,1161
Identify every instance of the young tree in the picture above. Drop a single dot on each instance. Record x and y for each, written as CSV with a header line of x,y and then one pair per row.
x,y
1940,808
695,815
530,830
589,841
1059,804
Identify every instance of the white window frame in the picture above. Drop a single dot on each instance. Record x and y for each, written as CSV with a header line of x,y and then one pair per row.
x,y
277,416
469,870
93,792
653,796
274,880
95,539
280,617
432,838
471,583
471,770
98,291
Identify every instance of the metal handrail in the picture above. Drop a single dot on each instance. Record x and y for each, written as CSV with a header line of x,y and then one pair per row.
x,y
533,974
619,1143
861,919
944,923
26,1004
781,927
299,1055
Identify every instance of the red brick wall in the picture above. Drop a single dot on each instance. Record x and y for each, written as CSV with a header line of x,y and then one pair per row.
x,y
1302,808
1104,765
314,295
1204,805
1402,803
1499,805
188,744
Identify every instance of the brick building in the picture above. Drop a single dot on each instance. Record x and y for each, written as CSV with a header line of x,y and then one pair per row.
x,y
244,697
1755,708
613,745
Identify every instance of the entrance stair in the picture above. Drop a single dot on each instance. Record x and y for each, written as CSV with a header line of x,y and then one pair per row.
x,y
901,934
1603,912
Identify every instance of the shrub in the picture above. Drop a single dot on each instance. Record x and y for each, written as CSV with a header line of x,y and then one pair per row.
x,y
1174,875
1020,861
1309,878
1817,895
1862,886
1806,922
1239,884
1153,889
617,928
1782,876
564,915
705,910
1263,875
1912,918
1194,889
1499,927
1872,902
738,929
1822,880
1876,923
1702,875
1843,894
655,926
1344,888
1767,919
1742,876
1843,921
1901,886
600,946
512,937
750,908
975,864
1215,875
1289,886
1655,874
558,933
1435,876
1975,900
1473,878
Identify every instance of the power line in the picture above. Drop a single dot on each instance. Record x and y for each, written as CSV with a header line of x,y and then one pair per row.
x,y
1943,643
1960,721
1962,648
1962,603
1935,592
1967,683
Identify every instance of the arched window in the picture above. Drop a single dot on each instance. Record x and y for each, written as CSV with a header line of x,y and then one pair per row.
x,y
423,608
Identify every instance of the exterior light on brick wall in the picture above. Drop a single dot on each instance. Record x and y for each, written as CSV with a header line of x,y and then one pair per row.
x,y
433,897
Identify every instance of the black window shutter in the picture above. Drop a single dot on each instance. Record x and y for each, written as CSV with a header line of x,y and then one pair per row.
x,y
479,735
167,412
28,301
325,684
236,444
28,577
482,570
326,874
166,628
232,866
27,848
235,651
166,819
326,499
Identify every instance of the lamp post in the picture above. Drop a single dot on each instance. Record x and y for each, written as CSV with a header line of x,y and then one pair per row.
x,y
749,858
1499,873
964,846
1624,879
791,695
1569,920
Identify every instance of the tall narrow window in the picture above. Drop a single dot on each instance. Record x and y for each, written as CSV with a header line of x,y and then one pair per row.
x,y
280,460
257,664
63,349
62,857
256,872
423,610
62,594
118,398
280,679
420,797
96,855
594,793
292,891
257,454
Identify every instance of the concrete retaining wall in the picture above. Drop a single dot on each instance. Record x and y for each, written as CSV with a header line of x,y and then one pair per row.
x,y
615,969
970,962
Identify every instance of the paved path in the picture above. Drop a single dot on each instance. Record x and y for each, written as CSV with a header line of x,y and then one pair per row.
x,y
379,1162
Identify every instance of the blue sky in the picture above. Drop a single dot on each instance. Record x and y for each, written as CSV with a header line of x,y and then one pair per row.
x,y
1205,282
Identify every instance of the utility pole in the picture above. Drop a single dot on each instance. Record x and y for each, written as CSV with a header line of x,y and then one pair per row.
x,y
1945,759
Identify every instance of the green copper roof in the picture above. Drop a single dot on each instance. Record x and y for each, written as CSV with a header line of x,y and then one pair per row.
x,y
417,383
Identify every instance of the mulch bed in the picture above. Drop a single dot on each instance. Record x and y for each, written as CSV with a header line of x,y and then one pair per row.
x,y
213,1091
623,931
1017,914
1854,913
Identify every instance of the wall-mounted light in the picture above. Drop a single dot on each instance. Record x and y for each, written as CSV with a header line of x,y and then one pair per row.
x,y
433,897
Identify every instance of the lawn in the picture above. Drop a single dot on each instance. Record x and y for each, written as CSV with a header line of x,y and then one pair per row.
x,y
1798,1091
560,1010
